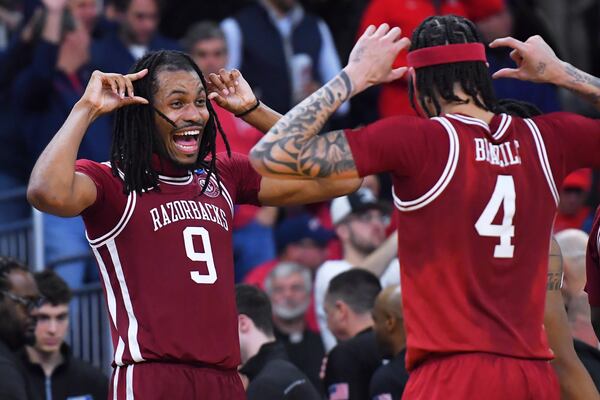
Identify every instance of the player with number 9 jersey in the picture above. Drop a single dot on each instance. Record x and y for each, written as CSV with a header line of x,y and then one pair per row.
x,y
166,261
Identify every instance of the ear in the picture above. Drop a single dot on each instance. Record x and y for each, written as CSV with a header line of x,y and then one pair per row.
x,y
342,309
244,323
390,323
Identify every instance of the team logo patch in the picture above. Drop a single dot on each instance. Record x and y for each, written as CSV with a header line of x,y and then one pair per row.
x,y
212,190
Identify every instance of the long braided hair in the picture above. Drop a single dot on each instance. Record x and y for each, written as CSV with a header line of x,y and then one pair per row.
x,y
135,136
439,80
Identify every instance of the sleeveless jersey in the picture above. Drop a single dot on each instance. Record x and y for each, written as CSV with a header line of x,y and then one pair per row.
x,y
592,263
475,205
166,262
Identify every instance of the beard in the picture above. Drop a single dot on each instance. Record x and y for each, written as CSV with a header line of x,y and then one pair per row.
x,y
361,246
290,311
13,331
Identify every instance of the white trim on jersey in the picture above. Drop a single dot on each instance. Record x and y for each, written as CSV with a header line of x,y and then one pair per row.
x,y
119,352
444,179
129,382
502,127
132,331
116,382
127,213
225,193
176,180
543,155
598,241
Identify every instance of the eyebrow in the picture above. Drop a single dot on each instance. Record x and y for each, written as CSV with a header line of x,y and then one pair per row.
x,y
182,91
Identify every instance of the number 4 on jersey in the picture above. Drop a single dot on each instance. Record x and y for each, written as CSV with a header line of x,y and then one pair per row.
x,y
504,195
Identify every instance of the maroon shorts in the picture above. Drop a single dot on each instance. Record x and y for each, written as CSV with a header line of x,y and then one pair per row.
x,y
482,376
158,381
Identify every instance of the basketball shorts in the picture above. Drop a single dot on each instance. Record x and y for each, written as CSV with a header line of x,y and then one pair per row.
x,y
482,376
167,381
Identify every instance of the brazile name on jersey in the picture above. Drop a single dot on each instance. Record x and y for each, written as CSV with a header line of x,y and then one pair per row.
x,y
503,154
179,210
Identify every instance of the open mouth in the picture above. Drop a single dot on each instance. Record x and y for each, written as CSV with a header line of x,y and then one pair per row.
x,y
187,141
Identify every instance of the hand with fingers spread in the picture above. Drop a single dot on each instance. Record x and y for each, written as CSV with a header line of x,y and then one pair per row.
x,y
372,57
230,90
107,92
536,61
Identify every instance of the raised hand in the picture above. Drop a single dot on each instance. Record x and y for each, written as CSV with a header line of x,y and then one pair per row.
x,y
371,58
107,92
536,61
230,90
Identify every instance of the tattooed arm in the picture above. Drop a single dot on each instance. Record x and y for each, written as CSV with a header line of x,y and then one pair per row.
x,y
537,62
575,382
292,149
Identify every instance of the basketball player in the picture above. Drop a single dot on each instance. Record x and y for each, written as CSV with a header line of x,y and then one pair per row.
x,y
476,194
159,220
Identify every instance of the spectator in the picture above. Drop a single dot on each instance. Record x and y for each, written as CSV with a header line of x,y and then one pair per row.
x,y
136,35
289,287
253,227
45,92
389,380
271,376
544,96
407,15
573,244
359,222
53,372
572,209
351,364
18,296
284,52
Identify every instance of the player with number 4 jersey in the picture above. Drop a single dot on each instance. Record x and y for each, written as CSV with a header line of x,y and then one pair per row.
x,y
476,192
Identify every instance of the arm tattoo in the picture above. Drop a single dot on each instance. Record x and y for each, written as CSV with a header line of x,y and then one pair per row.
x,y
292,147
584,84
555,278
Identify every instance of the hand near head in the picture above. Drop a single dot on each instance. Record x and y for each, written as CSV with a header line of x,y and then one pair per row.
x,y
107,92
372,57
536,61
230,90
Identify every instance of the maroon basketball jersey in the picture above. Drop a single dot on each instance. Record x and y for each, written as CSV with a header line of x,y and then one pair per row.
x,y
476,204
592,263
166,261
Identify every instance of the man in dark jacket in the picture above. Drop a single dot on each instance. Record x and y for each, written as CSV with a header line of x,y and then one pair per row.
x,y
53,372
272,376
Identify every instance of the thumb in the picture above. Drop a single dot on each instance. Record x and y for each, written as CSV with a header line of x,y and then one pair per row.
x,y
128,101
217,98
506,73
396,74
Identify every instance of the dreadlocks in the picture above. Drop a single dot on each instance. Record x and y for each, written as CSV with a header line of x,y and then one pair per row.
x,y
135,136
439,80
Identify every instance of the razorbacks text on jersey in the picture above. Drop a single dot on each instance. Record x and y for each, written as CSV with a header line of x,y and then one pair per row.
x,y
476,204
166,261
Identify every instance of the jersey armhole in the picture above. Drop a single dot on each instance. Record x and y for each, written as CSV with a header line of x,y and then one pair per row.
x,y
445,177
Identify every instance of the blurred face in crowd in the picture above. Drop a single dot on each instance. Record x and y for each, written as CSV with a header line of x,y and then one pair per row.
x,y
181,98
337,313
210,55
381,328
363,231
85,12
572,200
141,21
18,325
283,5
306,252
51,329
496,26
289,296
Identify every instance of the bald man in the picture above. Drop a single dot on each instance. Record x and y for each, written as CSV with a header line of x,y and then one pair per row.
x,y
573,243
388,324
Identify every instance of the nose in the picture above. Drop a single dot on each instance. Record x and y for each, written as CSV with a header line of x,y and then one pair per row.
x,y
192,114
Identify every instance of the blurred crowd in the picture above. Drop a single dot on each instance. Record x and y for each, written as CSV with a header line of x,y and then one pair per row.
x,y
304,258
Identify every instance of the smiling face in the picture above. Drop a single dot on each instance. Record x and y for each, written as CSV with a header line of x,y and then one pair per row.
x,y
182,99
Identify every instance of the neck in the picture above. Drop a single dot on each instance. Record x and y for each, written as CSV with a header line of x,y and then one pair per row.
x,y
359,324
468,109
399,343
289,326
254,344
353,255
48,361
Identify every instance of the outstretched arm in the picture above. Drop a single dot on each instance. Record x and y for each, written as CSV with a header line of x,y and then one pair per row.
x,y
537,62
54,186
575,382
292,149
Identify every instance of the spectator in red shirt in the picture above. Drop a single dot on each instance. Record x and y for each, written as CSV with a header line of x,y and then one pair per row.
x,y
573,213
